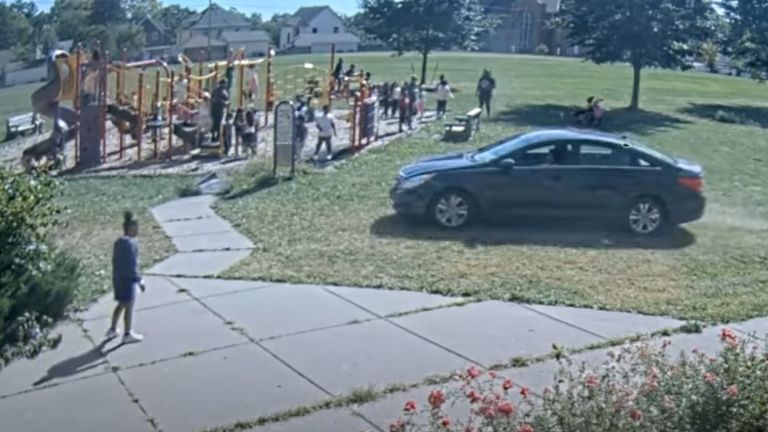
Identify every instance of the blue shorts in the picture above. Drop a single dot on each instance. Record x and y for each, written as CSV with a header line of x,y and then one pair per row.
x,y
126,293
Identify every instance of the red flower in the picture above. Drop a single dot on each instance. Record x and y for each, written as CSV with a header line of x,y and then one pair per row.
x,y
732,391
474,396
397,426
727,334
474,372
445,422
710,377
508,384
436,398
487,411
525,427
410,406
525,391
506,408
592,381
635,414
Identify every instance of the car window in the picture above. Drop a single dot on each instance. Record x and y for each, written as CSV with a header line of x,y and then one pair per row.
x,y
600,154
554,153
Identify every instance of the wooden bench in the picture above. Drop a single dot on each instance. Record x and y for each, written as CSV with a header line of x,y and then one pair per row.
x,y
463,127
23,124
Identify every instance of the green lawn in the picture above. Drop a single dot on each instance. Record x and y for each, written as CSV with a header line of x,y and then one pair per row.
x,y
337,227
16,100
92,219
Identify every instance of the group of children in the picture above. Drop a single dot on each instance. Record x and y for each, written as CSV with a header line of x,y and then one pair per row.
x,y
409,100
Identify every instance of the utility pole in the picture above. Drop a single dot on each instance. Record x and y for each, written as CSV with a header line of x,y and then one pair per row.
x,y
210,13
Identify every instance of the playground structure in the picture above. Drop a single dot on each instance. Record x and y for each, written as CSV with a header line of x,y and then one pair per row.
x,y
117,111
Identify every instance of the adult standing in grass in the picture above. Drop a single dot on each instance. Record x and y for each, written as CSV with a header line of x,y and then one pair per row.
x,y
442,94
485,87
126,279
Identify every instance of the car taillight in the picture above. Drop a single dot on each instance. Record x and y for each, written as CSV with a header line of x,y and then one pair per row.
x,y
693,183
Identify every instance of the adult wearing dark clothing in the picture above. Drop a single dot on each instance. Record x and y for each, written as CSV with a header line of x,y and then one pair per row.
x,y
338,73
412,90
219,103
485,87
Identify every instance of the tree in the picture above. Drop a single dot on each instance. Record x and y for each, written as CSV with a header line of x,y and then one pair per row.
x,y
70,18
107,12
272,27
15,29
710,52
173,18
141,8
748,36
256,20
643,33
427,25
131,38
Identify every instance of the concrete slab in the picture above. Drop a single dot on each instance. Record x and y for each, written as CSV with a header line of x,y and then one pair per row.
x,y
202,288
211,225
608,324
160,292
389,302
74,358
169,332
708,341
337,420
375,353
494,332
95,404
199,263
757,327
218,241
218,388
285,309
185,208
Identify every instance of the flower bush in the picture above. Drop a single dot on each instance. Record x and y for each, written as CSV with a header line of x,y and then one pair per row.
x,y
639,387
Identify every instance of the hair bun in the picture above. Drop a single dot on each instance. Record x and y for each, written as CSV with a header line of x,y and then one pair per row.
x,y
128,216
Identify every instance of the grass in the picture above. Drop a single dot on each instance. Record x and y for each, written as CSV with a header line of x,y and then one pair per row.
x,y
16,101
337,227
92,219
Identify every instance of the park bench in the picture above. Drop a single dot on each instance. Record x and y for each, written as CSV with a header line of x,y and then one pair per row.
x,y
463,127
23,124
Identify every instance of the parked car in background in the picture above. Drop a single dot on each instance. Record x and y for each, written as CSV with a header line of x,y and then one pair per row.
x,y
559,172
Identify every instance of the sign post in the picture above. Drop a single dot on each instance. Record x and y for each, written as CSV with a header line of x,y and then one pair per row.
x,y
284,150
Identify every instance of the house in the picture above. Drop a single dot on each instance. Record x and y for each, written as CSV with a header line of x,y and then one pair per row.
x,y
158,42
524,27
315,30
222,30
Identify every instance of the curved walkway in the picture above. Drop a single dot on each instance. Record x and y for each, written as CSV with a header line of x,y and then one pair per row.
x,y
220,351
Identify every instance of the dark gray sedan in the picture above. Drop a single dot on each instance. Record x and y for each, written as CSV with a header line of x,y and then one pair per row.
x,y
559,172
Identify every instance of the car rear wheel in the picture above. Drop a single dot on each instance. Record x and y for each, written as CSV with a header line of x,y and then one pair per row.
x,y
646,216
453,209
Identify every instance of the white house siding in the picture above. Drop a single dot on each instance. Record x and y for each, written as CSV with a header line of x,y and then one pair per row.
x,y
325,22
253,49
327,47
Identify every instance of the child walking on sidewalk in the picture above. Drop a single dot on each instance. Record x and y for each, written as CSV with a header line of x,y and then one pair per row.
x,y
126,279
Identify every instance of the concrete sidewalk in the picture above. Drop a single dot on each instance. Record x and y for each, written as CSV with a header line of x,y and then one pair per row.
x,y
218,351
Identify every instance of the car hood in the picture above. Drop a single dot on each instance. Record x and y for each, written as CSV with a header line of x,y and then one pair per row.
x,y
436,164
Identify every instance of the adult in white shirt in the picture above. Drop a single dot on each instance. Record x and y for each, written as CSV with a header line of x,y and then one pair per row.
x,y
253,83
326,131
443,93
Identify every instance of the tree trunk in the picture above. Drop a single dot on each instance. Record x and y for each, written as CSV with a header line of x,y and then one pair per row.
x,y
635,104
424,56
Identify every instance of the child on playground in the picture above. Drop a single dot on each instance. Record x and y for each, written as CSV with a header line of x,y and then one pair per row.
x,y
253,83
126,279
404,108
421,102
326,129
250,137
396,92
228,132
301,135
443,93
385,94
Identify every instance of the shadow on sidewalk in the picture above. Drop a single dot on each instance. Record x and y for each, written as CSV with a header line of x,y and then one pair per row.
x,y
78,364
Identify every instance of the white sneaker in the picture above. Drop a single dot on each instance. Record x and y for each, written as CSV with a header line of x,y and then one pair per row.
x,y
111,334
132,338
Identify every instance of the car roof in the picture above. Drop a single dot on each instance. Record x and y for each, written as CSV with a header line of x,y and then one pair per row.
x,y
545,135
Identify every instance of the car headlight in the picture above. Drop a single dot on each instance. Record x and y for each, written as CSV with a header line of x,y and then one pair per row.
x,y
416,181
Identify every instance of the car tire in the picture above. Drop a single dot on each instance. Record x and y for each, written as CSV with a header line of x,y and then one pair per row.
x,y
646,216
453,209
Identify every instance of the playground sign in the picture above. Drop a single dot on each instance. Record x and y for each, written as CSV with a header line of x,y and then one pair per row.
x,y
285,128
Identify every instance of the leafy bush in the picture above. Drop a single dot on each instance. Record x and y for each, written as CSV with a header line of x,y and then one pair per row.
x,y
639,388
37,282
542,49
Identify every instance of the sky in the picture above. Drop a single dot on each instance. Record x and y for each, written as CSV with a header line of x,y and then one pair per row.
x,y
265,7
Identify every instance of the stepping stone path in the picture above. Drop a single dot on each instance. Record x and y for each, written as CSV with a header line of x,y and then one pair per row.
x,y
218,351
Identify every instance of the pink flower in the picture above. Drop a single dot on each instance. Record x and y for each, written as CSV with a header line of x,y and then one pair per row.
x,y
436,398
525,427
592,381
397,426
508,384
492,374
469,429
710,377
410,406
635,414
732,391
506,408
474,396
727,334
445,422
474,372
487,411
525,391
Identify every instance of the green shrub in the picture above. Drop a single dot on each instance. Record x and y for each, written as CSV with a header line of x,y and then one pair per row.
x,y
37,282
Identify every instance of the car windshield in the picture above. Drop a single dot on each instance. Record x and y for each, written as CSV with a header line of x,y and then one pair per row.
x,y
499,149
651,152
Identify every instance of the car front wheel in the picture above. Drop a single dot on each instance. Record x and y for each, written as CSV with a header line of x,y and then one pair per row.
x,y
453,209
646,216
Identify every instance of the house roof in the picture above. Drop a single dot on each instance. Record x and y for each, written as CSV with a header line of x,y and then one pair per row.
x,y
202,42
309,39
304,15
219,17
244,37
157,24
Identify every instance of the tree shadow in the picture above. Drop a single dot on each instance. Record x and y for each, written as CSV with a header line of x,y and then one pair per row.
x,y
618,120
78,364
261,183
750,115
550,232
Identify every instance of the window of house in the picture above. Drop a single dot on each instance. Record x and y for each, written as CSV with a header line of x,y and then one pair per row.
x,y
335,29
314,29
526,29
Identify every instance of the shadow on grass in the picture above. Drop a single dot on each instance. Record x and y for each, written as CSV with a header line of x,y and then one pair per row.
x,y
616,120
259,184
750,115
552,232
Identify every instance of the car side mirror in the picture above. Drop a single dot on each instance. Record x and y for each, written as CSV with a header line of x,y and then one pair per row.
x,y
507,164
